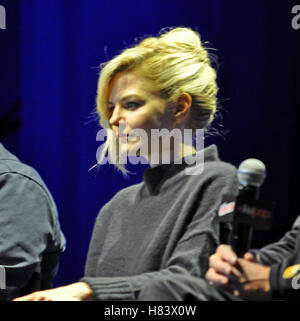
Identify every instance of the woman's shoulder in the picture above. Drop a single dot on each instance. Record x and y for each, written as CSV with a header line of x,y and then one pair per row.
x,y
220,167
124,196
211,173
208,163
129,190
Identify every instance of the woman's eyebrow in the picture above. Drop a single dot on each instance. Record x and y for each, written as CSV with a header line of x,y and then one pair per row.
x,y
132,96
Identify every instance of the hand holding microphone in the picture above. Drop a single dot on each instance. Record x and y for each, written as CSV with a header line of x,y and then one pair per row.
x,y
248,212
242,277
235,225
223,265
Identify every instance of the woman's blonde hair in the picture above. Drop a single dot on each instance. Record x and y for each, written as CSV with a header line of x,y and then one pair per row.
x,y
176,62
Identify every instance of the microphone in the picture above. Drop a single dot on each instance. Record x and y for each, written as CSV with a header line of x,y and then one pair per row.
x,y
239,215
251,175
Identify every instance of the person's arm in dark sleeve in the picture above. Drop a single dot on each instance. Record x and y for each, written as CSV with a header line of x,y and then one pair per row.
x,y
28,228
285,276
278,251
190,256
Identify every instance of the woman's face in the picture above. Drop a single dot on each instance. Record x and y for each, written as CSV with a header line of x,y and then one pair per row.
x,y
134,105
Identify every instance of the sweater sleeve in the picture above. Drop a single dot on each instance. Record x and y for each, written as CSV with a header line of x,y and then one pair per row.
x,y
190,254
277,252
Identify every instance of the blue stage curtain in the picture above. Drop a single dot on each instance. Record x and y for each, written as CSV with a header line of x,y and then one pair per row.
x,y
62,45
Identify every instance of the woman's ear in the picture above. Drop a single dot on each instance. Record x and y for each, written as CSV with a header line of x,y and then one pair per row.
x,y
182,108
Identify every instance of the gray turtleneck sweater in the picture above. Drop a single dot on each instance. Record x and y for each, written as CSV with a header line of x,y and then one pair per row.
x,y
167,225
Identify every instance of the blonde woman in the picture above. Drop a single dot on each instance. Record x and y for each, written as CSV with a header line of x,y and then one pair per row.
x,y
166,225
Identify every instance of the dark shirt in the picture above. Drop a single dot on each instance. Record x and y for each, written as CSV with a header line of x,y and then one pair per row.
x,y
30,236
285,270
276,252
279,256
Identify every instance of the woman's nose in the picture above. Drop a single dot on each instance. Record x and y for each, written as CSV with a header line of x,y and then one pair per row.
x,y
116,116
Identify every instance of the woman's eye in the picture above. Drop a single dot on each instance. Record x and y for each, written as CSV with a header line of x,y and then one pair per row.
x,y
132,105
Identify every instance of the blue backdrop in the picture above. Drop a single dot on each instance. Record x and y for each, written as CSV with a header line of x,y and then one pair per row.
x,y
50,53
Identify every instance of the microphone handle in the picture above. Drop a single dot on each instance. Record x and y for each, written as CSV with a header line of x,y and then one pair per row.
x,y
242,233
242,237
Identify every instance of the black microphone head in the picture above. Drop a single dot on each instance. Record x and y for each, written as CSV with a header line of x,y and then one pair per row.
x,y
251,172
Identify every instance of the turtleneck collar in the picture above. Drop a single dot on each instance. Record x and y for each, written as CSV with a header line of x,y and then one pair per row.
x,y
156,175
